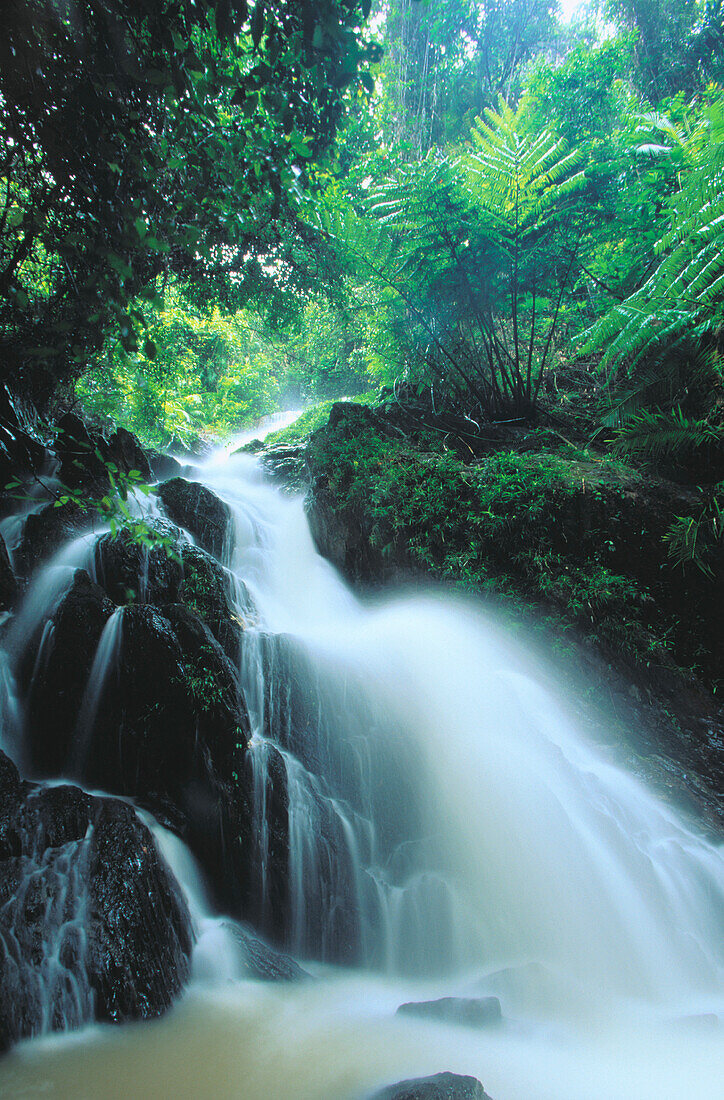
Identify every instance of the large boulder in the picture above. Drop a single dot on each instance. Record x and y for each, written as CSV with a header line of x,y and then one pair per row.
x,y
443,1086
200,511
92,923
55,674
46,531
86,457
170,570
132,571
124,451
139,931
147,705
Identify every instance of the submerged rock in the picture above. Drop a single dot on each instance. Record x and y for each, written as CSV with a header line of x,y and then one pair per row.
x,y
265,963
92,924
443,1086
200,511
470,1011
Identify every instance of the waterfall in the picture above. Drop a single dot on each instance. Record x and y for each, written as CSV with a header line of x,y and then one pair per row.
x,y
514,842
448,830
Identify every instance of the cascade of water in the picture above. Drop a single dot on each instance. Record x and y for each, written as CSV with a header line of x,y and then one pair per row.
x,y
518,843
45,920
442,813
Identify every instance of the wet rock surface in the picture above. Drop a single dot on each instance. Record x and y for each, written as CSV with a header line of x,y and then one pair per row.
x,y
200,511
131,571
442,1086
86,456
163,466
264,963
92,924
285,466
139,930
468,1011
55,670
8,580
45,532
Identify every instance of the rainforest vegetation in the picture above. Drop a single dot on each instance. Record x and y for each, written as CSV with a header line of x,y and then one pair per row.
x,y
493,214
472,251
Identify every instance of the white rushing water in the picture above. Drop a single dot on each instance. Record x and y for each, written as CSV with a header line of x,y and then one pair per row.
x,y
449,819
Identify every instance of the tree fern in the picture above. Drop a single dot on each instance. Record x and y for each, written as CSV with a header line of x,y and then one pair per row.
x,y
683,298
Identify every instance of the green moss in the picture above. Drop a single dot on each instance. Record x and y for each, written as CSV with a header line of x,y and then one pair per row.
x,y
206,691
310,420
202,589
542,529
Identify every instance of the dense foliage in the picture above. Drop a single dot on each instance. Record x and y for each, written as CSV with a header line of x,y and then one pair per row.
x,y
151,139
212,209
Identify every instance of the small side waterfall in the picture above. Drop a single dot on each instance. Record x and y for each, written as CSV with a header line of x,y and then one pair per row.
x,y
46,920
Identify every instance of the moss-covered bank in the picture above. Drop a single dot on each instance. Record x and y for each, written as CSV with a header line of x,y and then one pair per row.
x,y
539,526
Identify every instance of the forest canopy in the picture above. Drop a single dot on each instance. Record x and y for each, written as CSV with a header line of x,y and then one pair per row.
x,y
212,210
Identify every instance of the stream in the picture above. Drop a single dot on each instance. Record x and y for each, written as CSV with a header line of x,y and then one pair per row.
x,y
452,832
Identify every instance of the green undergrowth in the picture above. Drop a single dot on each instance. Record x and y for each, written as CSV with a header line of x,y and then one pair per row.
x,y
311,419
578,537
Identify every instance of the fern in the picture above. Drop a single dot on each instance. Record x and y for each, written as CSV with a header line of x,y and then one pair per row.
x,y
683,299
664,434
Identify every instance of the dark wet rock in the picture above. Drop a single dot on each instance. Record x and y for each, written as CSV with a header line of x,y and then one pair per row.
x,y
163,723
50,817
8,580
172,701
443,1086
200,511
285,466
342,530
55,673
265,963
169,571
206,590
92,924
79,464
131,571
139,936
470,1011
22,450
126,452
86,456
171,731
163,466
46,531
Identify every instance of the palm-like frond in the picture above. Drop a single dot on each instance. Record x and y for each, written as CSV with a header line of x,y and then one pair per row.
x,y
684,296
664,434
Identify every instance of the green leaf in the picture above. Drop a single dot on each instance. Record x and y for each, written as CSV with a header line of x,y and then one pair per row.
x,y
257,23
